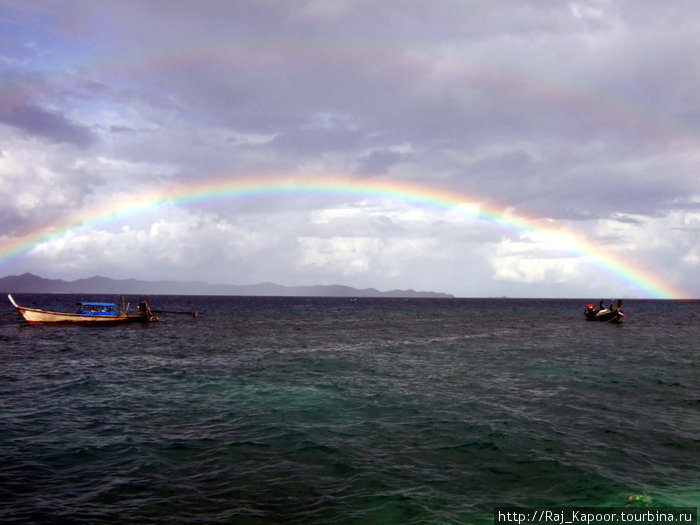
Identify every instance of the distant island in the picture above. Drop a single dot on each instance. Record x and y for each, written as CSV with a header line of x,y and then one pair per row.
x,y
30,283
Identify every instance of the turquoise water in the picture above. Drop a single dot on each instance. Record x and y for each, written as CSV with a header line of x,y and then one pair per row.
x,y
279,410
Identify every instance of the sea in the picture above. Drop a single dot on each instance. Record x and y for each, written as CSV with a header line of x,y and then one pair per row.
x,y
266,410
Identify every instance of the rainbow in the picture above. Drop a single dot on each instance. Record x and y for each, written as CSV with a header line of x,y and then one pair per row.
x,y
468,66
231,189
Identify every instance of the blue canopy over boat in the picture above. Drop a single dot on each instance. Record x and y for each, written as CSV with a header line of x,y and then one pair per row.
x,y
91,308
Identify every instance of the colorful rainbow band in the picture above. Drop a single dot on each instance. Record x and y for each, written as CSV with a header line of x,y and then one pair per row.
x,y
230,188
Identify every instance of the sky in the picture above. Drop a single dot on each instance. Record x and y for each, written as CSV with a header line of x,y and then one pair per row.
x,y
521,148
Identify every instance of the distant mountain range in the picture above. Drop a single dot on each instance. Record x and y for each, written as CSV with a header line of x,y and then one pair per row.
x,y
30,283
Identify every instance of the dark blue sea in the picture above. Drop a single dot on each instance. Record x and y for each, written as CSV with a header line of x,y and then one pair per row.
x,y
346,411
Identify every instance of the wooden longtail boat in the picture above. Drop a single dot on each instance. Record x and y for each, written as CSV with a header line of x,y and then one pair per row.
x,y
86,313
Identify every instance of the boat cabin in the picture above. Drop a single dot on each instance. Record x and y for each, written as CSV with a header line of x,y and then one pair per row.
x,y
84,308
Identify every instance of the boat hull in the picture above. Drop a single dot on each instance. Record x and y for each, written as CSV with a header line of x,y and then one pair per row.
x,y
45,317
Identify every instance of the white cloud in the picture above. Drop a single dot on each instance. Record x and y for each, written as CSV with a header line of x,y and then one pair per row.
x,y
532,262
583,10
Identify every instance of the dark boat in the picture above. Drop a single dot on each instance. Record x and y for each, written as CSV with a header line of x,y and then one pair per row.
x,y
612,314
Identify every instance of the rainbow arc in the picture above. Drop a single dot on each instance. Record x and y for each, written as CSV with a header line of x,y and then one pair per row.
x,y
239,189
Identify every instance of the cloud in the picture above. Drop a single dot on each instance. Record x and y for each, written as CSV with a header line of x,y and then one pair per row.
x,y
379,161
580,114
528,262
46,124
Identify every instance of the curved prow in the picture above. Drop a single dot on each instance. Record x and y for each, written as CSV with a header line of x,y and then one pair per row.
x,y
619,304
9,296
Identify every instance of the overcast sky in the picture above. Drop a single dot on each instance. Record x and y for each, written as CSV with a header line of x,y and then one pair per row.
x,y
581,114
